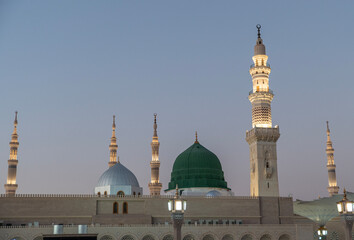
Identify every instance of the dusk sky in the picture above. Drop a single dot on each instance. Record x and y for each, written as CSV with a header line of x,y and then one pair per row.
x,y
68,66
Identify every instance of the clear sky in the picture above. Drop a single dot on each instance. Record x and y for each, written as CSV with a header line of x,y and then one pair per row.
x,y
68,66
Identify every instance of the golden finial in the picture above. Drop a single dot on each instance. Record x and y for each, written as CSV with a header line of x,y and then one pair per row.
x,y
114,121
155,115
15,122
327,127
176,195
196,137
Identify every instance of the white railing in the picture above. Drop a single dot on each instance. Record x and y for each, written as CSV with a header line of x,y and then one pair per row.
x,y
126,196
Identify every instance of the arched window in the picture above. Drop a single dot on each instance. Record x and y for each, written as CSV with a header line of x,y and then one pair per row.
x,y
266,237
115,208
168,237
125,208
227,237
208,237
99,194
286,237
247,237
134,193
139,194
105,193
120,194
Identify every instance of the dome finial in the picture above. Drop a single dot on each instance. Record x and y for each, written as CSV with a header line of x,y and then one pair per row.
x,y
258,26
176,195
196,137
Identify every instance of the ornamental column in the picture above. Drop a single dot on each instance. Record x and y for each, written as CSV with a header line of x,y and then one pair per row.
x,y
113,147
11,185
155,185
262,137
331,167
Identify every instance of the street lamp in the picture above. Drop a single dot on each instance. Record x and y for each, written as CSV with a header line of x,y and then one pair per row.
x,y
345,209
322,233
177,206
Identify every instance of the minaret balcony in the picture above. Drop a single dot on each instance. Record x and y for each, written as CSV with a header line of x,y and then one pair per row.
x,y
260,66
261,91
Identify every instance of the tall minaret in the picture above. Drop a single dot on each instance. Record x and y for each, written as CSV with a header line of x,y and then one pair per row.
x,y
262,137
332,179
113,146
155,185
11,185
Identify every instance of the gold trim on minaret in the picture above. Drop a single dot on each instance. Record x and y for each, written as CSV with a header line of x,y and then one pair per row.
x,y
155,185
11,185
113,147
331,167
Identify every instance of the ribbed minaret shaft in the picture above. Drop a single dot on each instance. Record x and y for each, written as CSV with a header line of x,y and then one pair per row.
x,y
155,185
332,179
113,147
262,137
11,185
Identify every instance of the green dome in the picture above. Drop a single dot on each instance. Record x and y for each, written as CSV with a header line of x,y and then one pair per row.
x,y
197,167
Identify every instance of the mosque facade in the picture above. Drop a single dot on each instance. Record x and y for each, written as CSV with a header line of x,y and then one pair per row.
x,y
119,210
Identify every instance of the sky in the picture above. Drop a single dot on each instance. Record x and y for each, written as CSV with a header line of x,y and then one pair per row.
x,y
68,66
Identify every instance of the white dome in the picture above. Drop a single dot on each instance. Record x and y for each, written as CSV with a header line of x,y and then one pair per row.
x,y
118,175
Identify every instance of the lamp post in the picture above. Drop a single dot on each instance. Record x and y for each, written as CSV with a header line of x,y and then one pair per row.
x,y
177,206
322,233
345,209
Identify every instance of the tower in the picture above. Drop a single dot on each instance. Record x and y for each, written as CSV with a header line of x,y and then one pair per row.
x,y
113,147
332,179
11,185
155,185
262,137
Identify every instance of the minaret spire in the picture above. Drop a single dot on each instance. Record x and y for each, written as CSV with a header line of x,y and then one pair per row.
x,y
155,185
331,167
262,137
113,147
196,137
11,185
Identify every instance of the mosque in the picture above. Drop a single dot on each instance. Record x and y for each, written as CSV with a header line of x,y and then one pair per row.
x,y
119,210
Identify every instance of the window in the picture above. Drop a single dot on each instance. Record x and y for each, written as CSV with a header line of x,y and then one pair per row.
x,y
115,208
105,193
99,194
120,194
134,193
125,208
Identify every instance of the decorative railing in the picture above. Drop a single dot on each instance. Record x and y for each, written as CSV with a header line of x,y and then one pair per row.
x,y
261,91
267,65
118,196
148,225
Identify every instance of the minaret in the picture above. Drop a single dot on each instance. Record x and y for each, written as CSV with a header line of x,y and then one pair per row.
x,y
332,179
113,146
262,137
155,185
11,185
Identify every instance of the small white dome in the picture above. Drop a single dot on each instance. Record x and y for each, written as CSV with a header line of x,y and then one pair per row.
x,y
213,193
118,175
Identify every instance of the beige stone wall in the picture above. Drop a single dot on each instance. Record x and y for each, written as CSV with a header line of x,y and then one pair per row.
x,y
295,232
141,210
